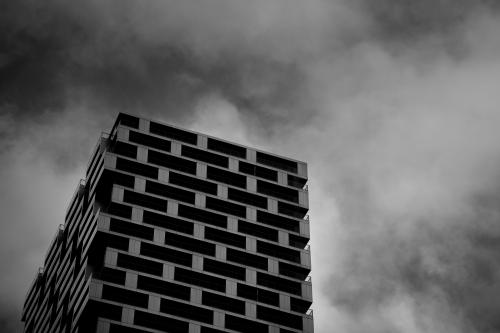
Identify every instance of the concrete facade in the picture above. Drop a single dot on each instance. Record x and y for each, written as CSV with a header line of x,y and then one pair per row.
x,y
177,231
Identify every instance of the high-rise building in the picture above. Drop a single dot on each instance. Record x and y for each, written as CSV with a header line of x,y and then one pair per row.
x,y
177,231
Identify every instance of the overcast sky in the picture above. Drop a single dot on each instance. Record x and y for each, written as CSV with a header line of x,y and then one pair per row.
x,y
393,103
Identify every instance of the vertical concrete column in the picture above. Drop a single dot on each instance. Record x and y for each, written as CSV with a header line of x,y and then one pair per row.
x,y
142,154
302,169
140,184
251,244
95,289
172,208
134,246
163,175
272,266
127,315
250,310
131,280
251,214
272,205
117,194
284,302
144,125
283,237
202,141
122,133
154,303
233,164
159,236
231,288
168,272
251,155
102,326
201,170
232,223
110,161
220,252
199,200
176,148
218,318
137,214
110,257
222,191
199,231
194,328
251,276
196,295
282,178
103,222
251,184
197,264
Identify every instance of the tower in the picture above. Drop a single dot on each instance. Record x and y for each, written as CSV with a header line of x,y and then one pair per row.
x,y
177,231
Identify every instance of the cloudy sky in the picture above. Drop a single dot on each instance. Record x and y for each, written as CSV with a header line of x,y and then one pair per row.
x,y
395,105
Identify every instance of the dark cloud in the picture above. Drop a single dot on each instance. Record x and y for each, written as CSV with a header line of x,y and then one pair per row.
x,y
393,103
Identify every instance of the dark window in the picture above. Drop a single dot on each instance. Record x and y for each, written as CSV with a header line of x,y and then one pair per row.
x,y
200,279
105,310
258,294
118,178
171,162
205,156
192,183
297,241
226,207
105,239
293,271
145,200
244,325
140,264
170,192
203,216
190,244
247,198
187,311
119,210
255,170
277,191
126,296
276,162
291,210
125,149
166,254
277,283
225,237
279,317
129,121
224,269
163,287
297,182
136,168
173,133
111,275
131,229
227,148
205,329
257,230
115,328
223,302
278,221
245,258
167,222
150,141
278,251
226,177
299,305
156,322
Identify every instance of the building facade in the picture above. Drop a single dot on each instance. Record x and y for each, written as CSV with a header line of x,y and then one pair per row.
x,y
176,231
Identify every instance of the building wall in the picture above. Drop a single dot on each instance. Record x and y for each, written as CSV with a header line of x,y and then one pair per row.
x,y
189,232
